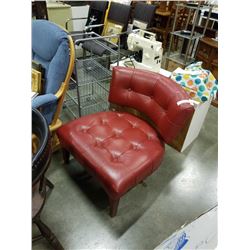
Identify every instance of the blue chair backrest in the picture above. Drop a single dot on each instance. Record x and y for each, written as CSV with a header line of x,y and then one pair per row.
x,y
50,48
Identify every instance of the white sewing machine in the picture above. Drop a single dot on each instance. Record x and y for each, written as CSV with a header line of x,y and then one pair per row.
x,y
141,40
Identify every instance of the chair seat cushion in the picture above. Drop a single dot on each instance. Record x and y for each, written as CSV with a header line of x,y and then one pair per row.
x,y
118,149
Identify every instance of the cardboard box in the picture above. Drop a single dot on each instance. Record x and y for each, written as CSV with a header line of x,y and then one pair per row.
x,y
201,233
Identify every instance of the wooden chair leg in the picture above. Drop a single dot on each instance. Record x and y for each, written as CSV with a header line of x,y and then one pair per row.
x,y
49,184
46,232
113,206
66,155
55,142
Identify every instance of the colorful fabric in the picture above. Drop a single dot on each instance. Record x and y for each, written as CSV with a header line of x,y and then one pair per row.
x,y
198,82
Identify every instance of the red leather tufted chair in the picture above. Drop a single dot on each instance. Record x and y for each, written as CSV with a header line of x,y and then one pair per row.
x,y
118,148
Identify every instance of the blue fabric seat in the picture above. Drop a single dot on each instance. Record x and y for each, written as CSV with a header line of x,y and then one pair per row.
x,y
50,48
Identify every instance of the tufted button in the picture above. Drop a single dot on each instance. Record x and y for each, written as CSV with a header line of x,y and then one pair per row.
x,y
135,146
104,122
150,137
129,89
117,133
133,125
98,142
84,129
115,157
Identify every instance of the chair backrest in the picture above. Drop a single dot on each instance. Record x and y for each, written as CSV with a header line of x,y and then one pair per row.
x,y
97,10
50,48
155,96
145,13
119,13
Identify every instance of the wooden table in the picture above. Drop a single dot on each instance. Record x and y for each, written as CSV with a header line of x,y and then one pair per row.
x,y
162,23
207,52
162,13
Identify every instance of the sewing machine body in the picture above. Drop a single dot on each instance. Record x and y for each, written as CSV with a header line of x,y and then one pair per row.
x,y
141,40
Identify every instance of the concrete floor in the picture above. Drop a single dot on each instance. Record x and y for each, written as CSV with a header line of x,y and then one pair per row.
x,y
181,189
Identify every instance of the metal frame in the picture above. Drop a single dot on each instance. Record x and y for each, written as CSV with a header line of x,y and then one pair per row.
x,y
88,92
193,37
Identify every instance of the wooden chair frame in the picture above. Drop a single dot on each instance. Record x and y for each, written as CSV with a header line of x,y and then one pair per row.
x,y
60,94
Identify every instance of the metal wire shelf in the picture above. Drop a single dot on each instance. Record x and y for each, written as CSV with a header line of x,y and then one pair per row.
x,y
93,96
91,70
180,58
192,38
89,85
180,34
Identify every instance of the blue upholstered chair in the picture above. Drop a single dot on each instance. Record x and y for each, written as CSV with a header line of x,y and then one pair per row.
x,y
53,48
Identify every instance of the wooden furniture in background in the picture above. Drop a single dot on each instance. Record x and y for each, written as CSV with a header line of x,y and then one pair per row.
x,y
207,52
39,10
162,22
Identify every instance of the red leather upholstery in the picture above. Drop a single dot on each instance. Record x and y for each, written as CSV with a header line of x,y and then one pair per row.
x,y
119,149
154,95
